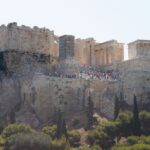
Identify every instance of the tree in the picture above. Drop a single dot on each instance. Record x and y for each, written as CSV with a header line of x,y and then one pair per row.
x,y
90,112
61,125
145,122
125,123
101,138
116,107
136,120
12,116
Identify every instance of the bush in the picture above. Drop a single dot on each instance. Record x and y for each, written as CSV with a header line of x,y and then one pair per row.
x,y
50,130
74,138
95,147
134,147
132,140
138,140
135,143
60,144
125,120
15,129
11,131
100,138
34,141
145,122
112,129
140,147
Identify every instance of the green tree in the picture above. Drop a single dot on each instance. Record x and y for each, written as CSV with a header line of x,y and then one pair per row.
x,y
101,138
136,120
125,123
145,122
116,107
90,112
11,131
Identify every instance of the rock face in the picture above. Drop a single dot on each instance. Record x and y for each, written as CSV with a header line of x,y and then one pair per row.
x,y
35,98
30,95
13,61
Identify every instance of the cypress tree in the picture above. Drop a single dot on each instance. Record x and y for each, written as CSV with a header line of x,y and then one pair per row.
x,y
136,120
116,107
12,116
90,112
61,125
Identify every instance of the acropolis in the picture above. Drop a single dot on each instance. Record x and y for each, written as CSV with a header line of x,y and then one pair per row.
x,y
43,71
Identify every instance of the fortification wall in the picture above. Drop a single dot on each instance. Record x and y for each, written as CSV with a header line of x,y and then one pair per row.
x,y
23,38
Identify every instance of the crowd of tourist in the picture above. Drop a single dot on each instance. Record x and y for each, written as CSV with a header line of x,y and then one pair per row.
x,y
89,73
61,75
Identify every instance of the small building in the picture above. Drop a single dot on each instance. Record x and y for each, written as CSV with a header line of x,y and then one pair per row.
x,y
138,48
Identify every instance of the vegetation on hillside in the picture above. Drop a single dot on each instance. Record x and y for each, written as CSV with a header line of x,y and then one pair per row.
x,y
130,130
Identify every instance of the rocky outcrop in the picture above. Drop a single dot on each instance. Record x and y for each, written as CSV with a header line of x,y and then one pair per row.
x,y
28,94
34,99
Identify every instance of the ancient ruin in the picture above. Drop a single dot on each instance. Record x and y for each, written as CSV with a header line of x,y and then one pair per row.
x,y
139,48
41,72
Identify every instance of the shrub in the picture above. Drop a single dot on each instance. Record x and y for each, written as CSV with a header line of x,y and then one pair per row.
x,y
34,141
134,147
140,147
50,130
60,144
74,138
132,140
15,129
11,131
135,143
112,129
100,138
145,122
95,147
125,123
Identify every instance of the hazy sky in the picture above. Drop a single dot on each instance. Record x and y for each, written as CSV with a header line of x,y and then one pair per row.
x,y
124,20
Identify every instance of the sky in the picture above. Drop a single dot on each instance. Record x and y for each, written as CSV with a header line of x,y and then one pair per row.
x,y
123,20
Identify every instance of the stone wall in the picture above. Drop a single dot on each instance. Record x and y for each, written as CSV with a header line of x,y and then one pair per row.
x,y
84,49
23,38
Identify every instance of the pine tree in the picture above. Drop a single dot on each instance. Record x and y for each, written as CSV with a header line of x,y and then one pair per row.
x,y
116,107
136,120
90,112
